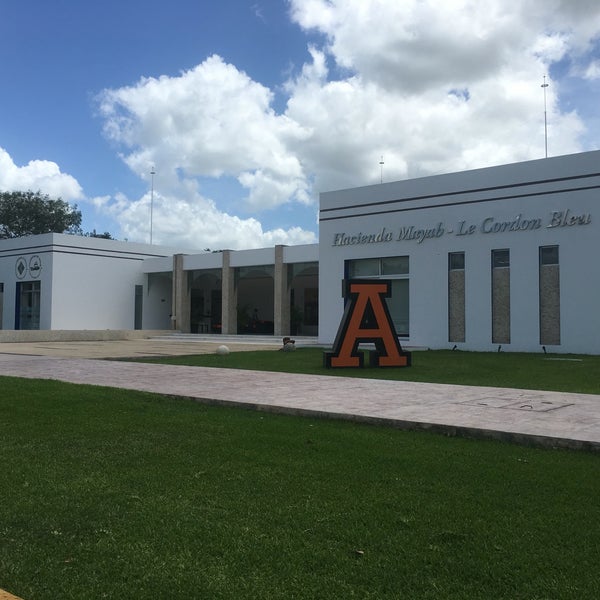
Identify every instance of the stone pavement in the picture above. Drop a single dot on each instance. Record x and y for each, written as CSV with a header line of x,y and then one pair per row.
x,y
553,419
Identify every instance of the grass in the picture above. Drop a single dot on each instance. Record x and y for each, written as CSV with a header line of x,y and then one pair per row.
x,y
116,494
518,370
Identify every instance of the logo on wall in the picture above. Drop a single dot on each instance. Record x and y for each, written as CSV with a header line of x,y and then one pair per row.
x,y
35,266
366,319
21,267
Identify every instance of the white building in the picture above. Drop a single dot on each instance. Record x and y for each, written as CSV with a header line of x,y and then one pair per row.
x,y
66,282
503,256
497,257
57,281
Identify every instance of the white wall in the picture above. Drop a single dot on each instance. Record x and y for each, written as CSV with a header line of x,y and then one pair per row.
x,y
456,202
86,283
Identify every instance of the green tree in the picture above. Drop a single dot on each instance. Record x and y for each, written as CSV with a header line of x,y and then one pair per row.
x,y
105,236
31,213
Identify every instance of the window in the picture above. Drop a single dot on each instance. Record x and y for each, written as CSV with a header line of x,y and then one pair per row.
x,y
549,293
500,258
364,267
396,269
456,261
376,267
456,297
549,255
394,265
501,296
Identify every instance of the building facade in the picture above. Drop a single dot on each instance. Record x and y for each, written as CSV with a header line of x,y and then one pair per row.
x,y
57,281
496,258
65,282
502,258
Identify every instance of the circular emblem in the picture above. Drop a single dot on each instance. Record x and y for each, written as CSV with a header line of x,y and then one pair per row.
x,y
35,266
21,267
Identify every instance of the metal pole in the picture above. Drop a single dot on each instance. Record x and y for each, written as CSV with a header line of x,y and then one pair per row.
x,y
545,85
152,173
381,163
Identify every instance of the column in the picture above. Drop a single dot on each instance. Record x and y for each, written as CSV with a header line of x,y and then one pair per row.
x,y
229,296
181,296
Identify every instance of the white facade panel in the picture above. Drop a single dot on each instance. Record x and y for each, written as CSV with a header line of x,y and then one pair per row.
x,y
251,258
515,207
209,260
299,254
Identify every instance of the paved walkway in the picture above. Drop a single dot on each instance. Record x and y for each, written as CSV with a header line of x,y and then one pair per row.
x,y
545,418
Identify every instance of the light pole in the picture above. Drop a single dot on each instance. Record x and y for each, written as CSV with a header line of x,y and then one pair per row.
x,y
381,163
152,173
545,85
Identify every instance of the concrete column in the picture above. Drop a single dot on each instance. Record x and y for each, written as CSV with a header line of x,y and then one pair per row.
x,y
281,291
228,296
181,301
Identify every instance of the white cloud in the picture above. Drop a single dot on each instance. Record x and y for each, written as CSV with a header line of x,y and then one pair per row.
x,y
42,175
430,86
186,218
212,120
434,86
592,70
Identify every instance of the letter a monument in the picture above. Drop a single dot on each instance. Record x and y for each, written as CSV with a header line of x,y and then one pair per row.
x,y
366,319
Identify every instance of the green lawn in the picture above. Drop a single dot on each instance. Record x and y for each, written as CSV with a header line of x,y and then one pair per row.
x,y
568,373
115,494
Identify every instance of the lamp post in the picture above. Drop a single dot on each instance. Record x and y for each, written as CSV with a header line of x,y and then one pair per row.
x,y
381,163
544,86
152,173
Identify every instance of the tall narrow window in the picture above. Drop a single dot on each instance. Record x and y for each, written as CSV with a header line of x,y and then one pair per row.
x,y
396,269
501,296
138,306
549,296
456,297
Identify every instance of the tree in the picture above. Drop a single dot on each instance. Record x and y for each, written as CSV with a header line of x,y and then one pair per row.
x,y
31,213
105,236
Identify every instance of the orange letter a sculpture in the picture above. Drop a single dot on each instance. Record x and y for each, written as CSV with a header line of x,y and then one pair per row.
x,y
366,319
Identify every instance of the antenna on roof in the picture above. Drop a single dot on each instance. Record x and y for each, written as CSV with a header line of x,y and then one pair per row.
x,y
152,173
545,85
381,163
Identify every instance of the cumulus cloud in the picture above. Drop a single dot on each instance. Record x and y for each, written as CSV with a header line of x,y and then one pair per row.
x,y
430,86
186,219
42,175
212,120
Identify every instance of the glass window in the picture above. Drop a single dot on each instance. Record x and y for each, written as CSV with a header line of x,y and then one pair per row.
x,y
549,255
500,258
456,261
398,305
374,267
397,269
364,267
394,265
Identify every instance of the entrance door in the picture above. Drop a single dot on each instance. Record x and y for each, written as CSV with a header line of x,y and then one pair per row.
x,y
28,305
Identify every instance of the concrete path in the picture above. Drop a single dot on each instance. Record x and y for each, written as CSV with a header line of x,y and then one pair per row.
x,y
545,418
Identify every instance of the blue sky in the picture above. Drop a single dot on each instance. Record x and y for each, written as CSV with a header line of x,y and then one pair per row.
x,y
247,110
